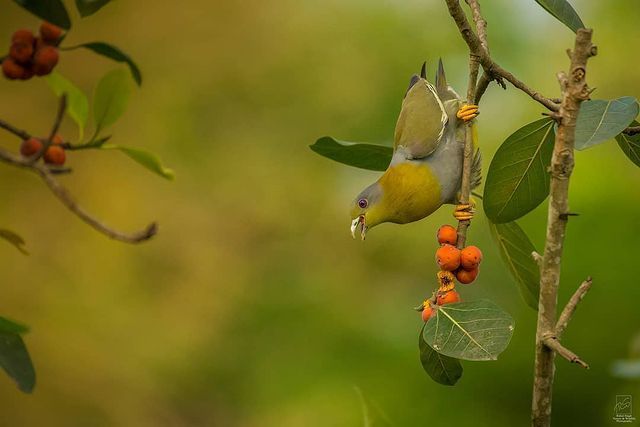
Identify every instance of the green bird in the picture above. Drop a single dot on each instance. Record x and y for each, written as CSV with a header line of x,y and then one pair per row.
x,y
426,167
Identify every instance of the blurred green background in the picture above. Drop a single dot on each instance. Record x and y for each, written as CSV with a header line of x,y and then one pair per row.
x,y
254,306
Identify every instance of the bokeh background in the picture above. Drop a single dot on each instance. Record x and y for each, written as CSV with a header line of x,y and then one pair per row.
x,y
254,306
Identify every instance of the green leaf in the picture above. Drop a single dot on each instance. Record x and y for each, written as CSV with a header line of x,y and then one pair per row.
x,y
114,53
442,369
478,330
77,102
630,145
600,120
50,10
10,327
14,239
563,12
518,180
515,249
110,99
146,159
14,357
364,156
89,7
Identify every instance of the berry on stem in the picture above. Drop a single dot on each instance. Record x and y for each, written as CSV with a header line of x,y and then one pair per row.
x,y
448,297
45,60
50,33
467,276
12,70
448,257
30,146
470,257
447,235
55,155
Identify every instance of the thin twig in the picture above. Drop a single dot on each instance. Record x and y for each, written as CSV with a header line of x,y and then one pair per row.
x,y
554,344
490,66
62,107
572,305
24,135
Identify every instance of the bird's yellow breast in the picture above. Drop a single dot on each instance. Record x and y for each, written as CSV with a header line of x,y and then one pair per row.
x,y
411,192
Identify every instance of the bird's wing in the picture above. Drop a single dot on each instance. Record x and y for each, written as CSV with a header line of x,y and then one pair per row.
x,y
422,120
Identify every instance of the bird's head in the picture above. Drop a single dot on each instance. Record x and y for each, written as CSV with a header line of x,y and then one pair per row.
x,y
368,210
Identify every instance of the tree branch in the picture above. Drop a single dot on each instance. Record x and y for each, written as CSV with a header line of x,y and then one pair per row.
x,y
553,343
574,92
62,107
494,70
48,176
572,305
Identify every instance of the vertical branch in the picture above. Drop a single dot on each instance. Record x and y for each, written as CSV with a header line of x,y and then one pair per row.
x,y
574,91
474,67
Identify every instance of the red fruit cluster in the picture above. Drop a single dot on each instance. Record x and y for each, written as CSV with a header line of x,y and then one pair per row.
x,y
30,55
463,263
54,155
454,263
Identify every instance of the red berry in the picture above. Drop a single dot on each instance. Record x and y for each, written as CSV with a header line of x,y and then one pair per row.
x,y
467,276
45,60
50,33
448,257
55,155
447,235
470,257
21,51
448,297
30,146
12,70
22,36
428,312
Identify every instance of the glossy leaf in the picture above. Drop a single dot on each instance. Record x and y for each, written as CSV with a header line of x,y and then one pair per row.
x,y
14,357
89,7
442,369
600,120
110,98
360,155
146,159
478,330
518,180
563,12
49,10
77,102
515,249
14,239
115,54
630,145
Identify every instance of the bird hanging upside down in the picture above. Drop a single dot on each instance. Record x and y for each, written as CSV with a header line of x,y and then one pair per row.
x,y
426,167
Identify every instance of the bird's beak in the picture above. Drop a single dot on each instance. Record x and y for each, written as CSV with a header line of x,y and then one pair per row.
x,y
360,221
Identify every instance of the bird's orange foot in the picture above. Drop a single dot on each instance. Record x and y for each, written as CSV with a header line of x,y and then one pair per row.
x,y
468,112
464,212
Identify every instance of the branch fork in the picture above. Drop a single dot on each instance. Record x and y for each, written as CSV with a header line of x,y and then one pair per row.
x,y
48,176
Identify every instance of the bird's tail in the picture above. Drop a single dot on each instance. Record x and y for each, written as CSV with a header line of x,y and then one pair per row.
x,y
476,166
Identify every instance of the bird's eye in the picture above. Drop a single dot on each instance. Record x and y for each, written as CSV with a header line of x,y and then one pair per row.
x,y
363,203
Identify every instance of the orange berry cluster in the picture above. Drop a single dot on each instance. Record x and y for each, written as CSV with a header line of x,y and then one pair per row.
x,y
465,263
454,263
30,55
54,155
